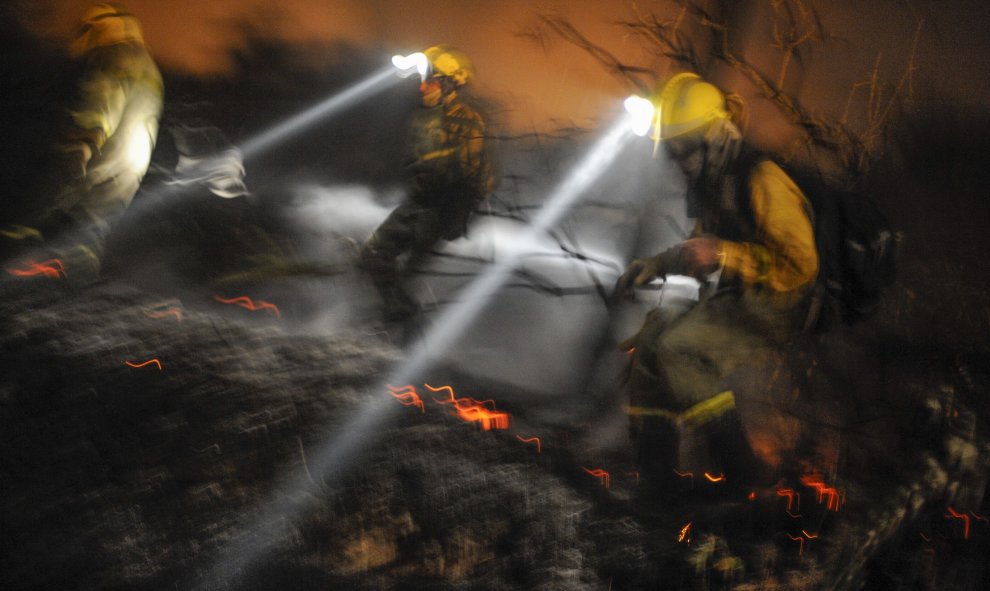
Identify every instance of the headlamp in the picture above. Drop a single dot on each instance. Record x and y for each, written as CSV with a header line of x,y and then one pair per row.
x,y
641,112
414,62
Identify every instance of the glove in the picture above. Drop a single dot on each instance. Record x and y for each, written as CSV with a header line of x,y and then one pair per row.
x,y
72,160
642,271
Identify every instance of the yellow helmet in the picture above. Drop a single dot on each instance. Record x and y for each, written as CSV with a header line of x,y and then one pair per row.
x,y
687,103
450,62
105,24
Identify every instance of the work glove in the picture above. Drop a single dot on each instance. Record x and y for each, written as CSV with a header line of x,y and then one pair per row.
x,y
642,271
72,160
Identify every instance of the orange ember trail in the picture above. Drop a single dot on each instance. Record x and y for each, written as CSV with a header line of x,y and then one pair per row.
x,y
965,519
600,474
790,494
685,531
163,313
718,478
407,396
530,440
248,303
800,542
474,411
52,268
835,496
684,474
148,362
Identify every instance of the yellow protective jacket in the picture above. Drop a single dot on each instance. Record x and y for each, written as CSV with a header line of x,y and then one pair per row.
x,y
448,159
116,115
772,245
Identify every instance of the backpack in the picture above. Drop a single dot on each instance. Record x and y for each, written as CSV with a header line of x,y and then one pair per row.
x,y
857,253
857,248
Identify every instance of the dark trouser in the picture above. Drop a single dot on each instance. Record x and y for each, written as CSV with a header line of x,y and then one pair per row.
x,y
681,417
410,231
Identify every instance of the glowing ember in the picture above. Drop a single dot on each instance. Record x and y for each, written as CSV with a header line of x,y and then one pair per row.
x,y
800,542
809,536
685,534
718,478
965,519
148,362
474,411
684,474
835,496
177,313
530,440
249,304
600,474
752,495
790,494
52,268
407,396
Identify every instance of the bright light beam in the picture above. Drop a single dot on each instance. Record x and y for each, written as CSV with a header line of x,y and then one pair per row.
x,y
458,318
283,131
344,447
266,140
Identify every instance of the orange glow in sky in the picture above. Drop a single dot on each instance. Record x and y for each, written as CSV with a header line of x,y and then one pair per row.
x,y
538,84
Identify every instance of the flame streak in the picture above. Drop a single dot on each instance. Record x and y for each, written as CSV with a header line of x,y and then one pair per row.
x,y
809,536
474,411
163,313
685,531
148,362
965,519
800,542
407,396
600,474
248,303
530,440
685,474
52,268
790,494
835,496
718,478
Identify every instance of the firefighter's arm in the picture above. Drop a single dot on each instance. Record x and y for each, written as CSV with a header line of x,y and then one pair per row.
x,y
639,272
102,98
785,259
477,165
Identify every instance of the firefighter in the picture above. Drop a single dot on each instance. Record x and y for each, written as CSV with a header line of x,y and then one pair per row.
x,y
449,174
103,155
753,231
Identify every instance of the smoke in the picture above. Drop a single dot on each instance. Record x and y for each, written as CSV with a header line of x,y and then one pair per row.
x,y
348,211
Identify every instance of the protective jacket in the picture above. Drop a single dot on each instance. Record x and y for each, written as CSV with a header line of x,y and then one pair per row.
x,y
115,119
764,226
448,163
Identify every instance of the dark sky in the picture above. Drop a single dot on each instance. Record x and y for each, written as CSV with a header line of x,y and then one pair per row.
x,y
561,83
